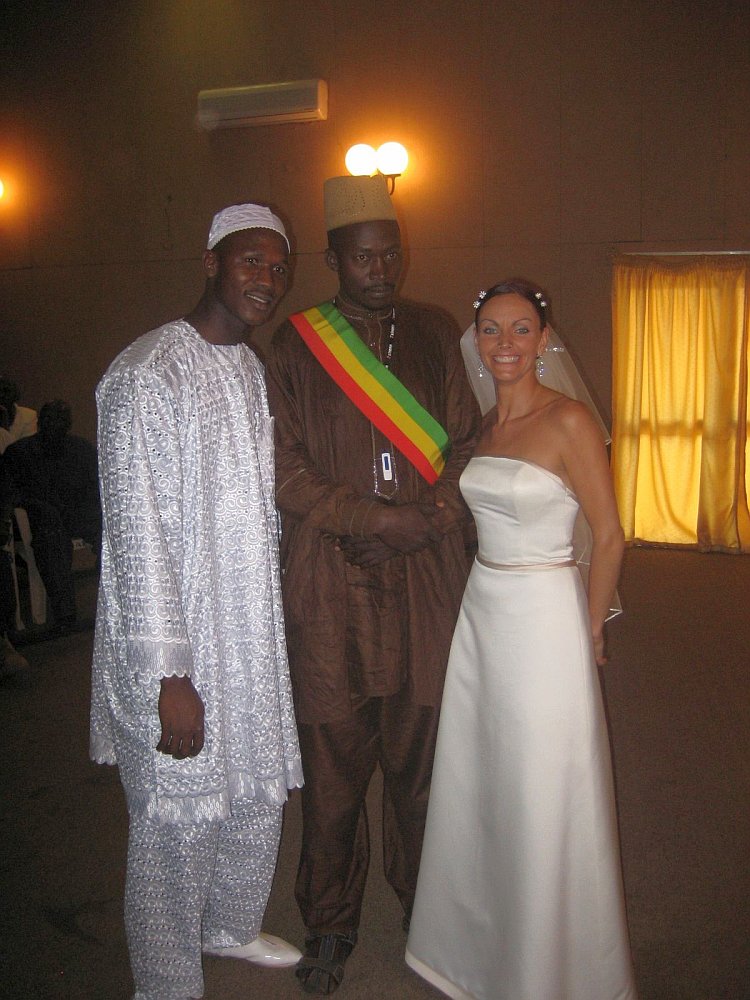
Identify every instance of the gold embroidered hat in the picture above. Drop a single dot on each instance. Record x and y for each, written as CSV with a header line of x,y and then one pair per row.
x,y
347,200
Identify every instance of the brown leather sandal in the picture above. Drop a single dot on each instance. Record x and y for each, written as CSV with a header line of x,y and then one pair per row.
x,y
321,968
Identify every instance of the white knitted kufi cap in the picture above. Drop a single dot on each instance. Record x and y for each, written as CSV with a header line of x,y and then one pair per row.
x,y
237,217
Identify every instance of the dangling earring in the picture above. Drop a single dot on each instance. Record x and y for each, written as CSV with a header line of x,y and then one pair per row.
x,y
539,366
480,364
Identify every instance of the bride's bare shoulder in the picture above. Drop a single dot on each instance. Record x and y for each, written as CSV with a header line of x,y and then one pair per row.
x,y
573,419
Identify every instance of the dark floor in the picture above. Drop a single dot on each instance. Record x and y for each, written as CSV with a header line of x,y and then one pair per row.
x,y
677,694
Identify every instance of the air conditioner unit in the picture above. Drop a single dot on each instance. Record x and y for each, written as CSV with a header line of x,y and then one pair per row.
x,y
263,104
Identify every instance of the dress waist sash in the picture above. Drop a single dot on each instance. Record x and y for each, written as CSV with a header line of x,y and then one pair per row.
x,y
529,568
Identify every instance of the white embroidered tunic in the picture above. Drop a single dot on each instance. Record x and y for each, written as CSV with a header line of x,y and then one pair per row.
x,y
190,581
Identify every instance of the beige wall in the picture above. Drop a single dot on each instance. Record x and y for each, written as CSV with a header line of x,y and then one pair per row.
x,y
544,136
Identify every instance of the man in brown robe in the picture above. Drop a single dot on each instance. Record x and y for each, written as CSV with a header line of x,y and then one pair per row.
x,y
375,567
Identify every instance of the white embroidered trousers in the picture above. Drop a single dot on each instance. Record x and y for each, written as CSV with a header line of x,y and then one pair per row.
x,y
193,886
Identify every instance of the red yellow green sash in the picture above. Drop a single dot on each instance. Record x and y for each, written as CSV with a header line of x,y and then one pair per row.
x,y
373,389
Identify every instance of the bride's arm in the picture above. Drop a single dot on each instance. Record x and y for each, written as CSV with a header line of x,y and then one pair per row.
x,y
585,460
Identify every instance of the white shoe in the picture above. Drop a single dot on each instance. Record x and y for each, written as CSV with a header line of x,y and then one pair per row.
x,y
266,950
11,661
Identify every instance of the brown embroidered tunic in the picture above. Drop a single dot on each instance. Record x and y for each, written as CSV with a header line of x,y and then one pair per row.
x,y
367,631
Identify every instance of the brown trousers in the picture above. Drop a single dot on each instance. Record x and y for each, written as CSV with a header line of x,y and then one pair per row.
x,y
339,760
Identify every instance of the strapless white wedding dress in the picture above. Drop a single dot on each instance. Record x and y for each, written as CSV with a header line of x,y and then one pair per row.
x,y
520,890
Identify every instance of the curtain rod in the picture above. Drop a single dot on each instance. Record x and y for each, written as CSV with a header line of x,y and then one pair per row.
x,y
683,253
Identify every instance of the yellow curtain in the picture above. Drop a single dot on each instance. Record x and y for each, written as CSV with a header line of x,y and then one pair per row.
x,y
680,443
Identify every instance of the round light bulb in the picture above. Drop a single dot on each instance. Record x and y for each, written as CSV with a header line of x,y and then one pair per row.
x,y
360,160
392,158
2,189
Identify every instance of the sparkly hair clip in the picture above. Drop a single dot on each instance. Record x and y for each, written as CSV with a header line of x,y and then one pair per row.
x,y
478,300
540,298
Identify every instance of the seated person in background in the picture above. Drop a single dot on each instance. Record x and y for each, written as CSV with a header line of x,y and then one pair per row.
x,y
55,473
16,421
10,659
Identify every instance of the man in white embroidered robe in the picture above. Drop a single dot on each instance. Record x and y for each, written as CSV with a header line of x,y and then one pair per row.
x,y
191,693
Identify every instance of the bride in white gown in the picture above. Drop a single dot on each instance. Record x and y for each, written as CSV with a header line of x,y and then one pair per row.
x,y
520,891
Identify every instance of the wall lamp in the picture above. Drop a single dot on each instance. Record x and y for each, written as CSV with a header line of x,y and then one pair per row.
x,y
389,160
